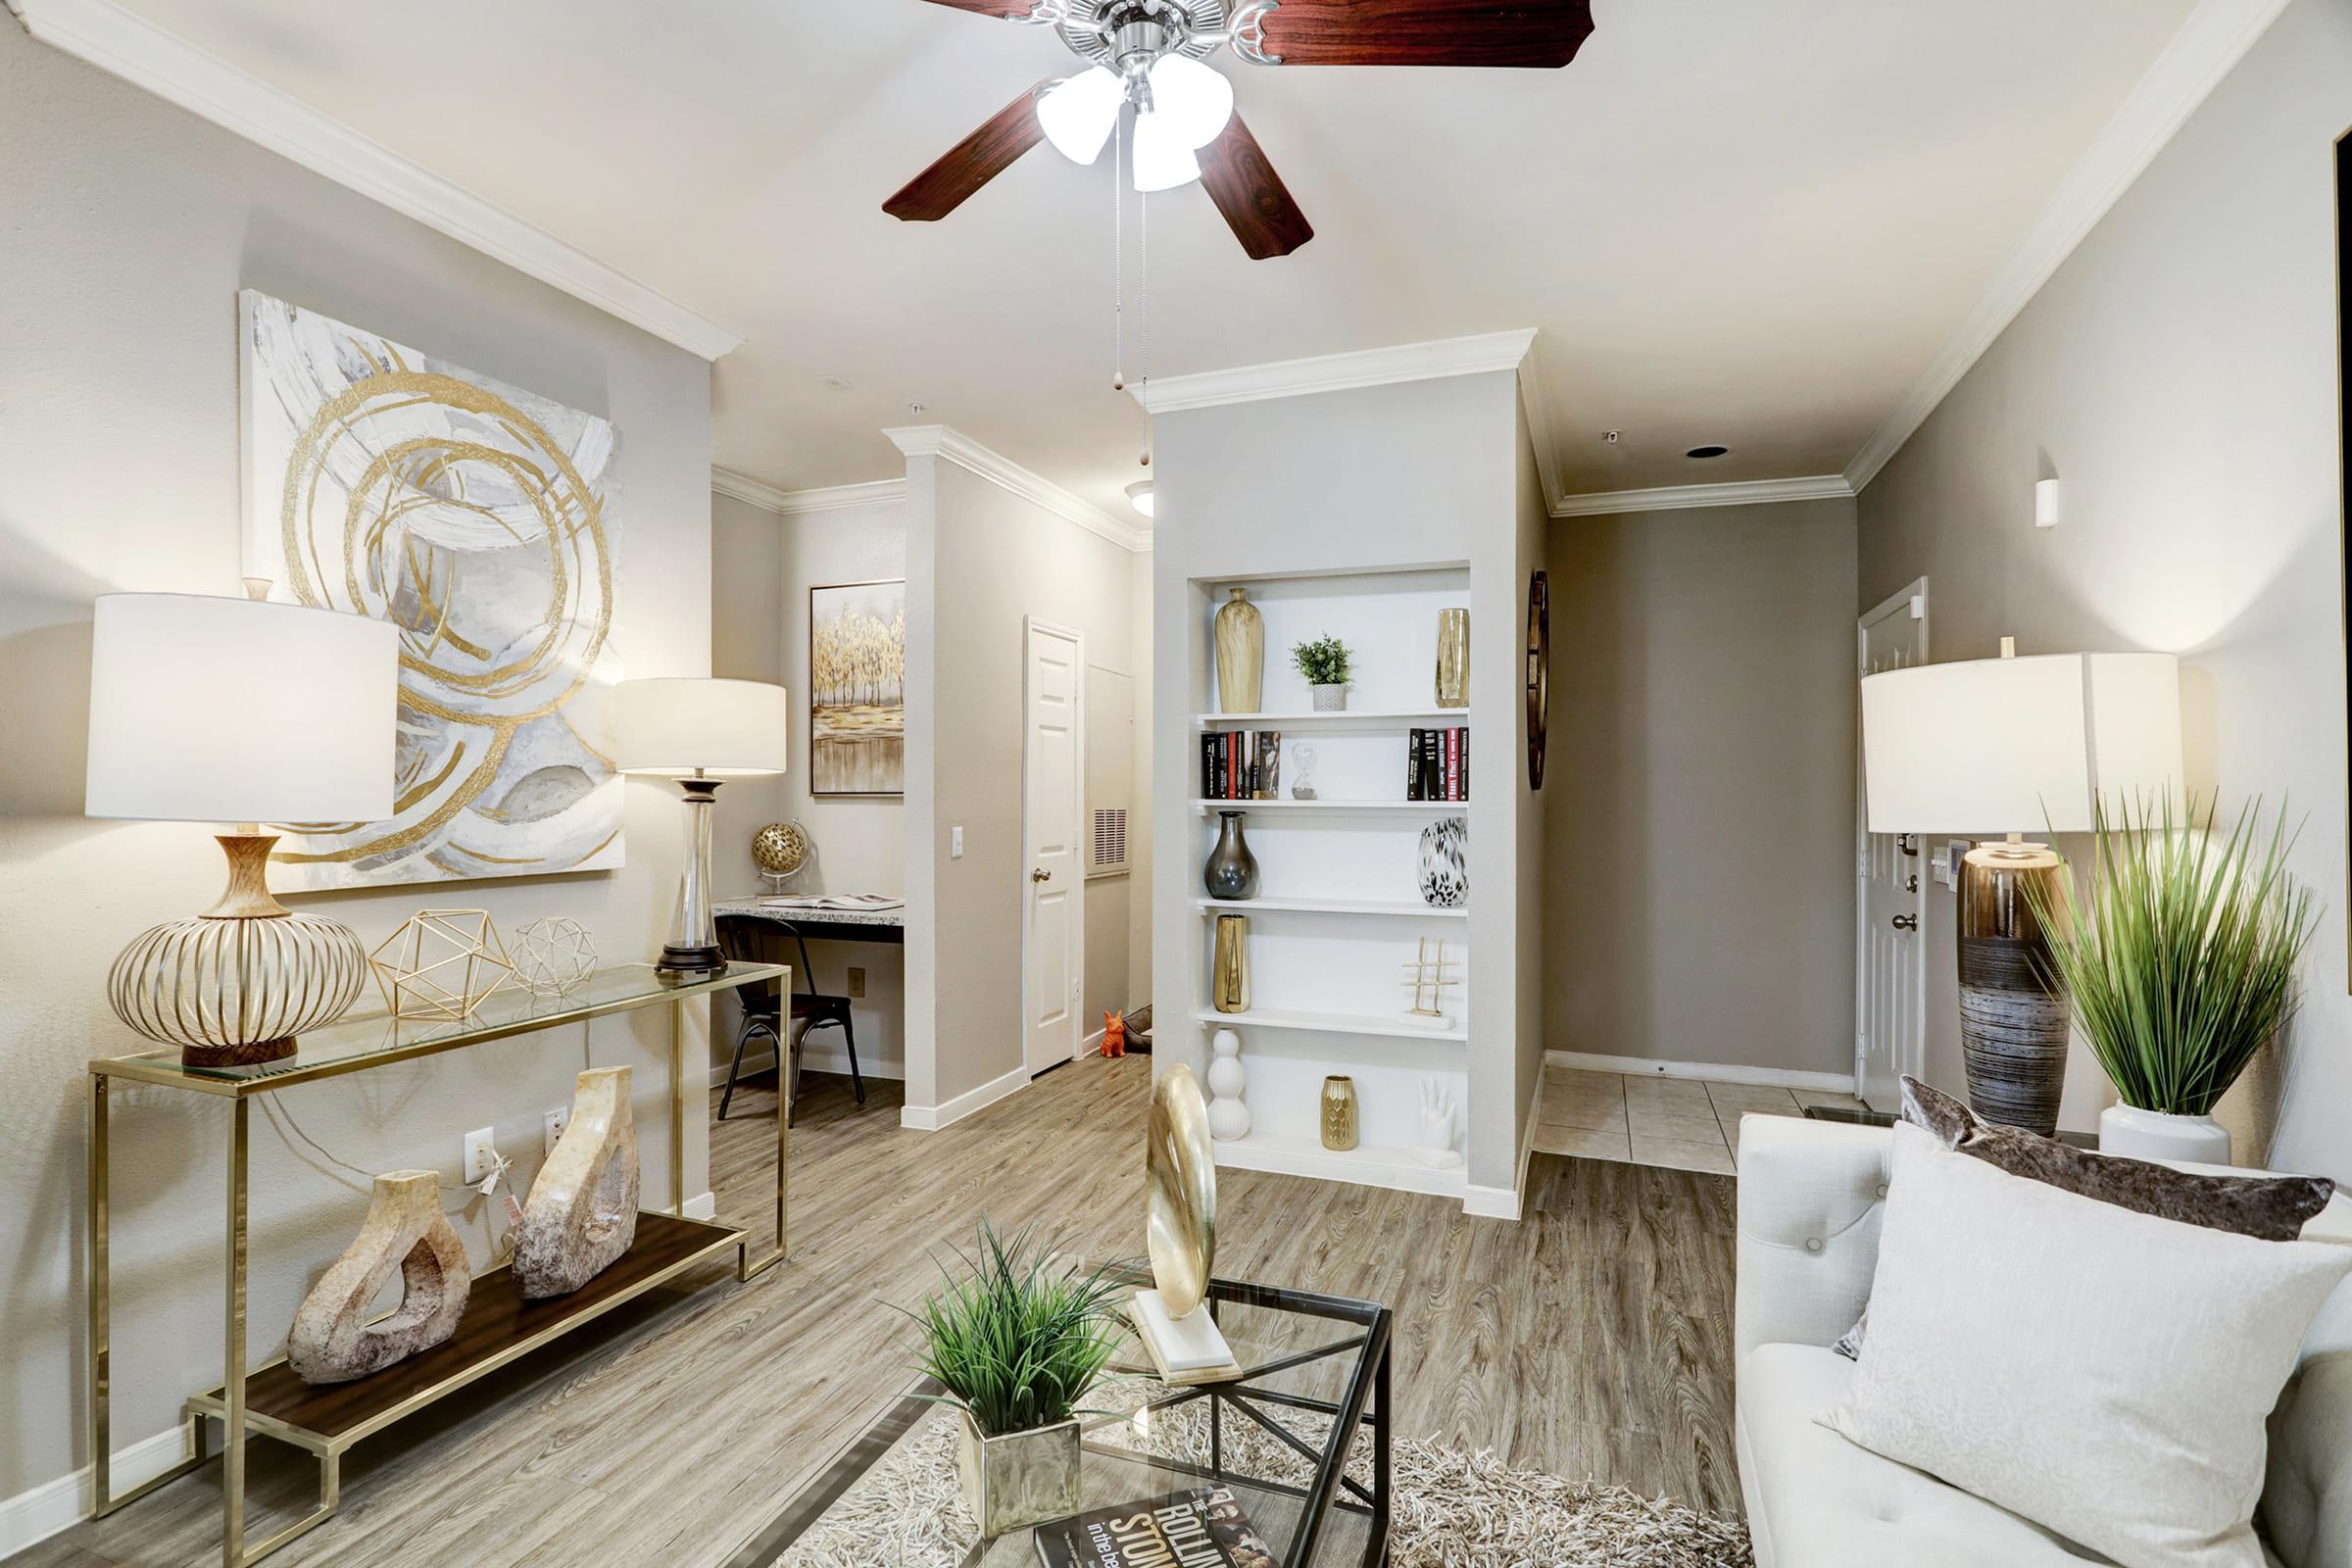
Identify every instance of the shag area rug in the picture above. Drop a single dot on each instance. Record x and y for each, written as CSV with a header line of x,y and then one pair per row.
x,y
1447,1509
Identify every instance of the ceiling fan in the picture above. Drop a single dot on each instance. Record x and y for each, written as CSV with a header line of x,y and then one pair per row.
x,y
1149,54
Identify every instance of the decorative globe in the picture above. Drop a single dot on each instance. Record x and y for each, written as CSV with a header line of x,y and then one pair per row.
x,y
780,848
554,956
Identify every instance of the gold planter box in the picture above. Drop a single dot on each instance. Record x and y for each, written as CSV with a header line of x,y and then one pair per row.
x,y
1019,1478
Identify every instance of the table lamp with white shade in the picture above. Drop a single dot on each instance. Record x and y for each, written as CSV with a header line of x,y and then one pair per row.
x,y
1998,745
238,711
699,732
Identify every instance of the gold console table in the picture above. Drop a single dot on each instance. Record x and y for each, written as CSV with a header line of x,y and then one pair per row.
x,y
498,1326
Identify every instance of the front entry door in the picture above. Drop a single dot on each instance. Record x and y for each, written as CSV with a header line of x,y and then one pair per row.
x,y
1053,870
1891,903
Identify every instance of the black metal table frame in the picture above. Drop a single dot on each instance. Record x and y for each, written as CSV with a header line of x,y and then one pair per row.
x,y
1363,1403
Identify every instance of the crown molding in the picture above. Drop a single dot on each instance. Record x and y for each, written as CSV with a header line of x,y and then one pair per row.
x,y
145,56
939,441
1541,434
1683,497
797,503
2207,46
1336,372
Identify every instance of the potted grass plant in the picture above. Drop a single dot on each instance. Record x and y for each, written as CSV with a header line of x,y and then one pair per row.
x,y
1328,667
2181,962
1016,1336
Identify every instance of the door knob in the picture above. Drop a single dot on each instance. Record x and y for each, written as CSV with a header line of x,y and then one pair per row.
x,y
1041,874
1906,922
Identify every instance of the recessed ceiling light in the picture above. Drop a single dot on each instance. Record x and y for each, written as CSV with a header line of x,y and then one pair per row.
x,y
1139,496
1707,452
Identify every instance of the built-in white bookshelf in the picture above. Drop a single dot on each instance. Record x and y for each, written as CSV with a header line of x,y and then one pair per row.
x,y
1339,914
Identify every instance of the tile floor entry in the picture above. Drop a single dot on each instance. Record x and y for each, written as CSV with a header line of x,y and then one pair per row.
x,y
1682,1123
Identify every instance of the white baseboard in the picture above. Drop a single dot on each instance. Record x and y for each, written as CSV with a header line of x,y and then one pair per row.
x,y
703,1208
1840,1083
1500,1203
931,1118
834,1062
33,1516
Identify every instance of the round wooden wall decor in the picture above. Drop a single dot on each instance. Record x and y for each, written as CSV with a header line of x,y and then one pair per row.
x,y
1538,674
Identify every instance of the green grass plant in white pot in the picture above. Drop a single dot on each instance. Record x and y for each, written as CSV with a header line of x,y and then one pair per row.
x,y
1017,1335
2181,959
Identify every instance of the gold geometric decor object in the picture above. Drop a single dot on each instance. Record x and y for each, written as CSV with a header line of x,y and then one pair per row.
x,y
582,1213
1180,1178
780,848
333,1338
441,964
484,521
554,956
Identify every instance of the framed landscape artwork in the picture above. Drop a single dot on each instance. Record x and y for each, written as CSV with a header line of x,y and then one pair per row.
x,y
857,689
480,519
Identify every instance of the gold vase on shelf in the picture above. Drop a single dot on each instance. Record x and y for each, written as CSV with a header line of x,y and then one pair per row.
x,y
1453,659
1229,991
1339,1112
1241,654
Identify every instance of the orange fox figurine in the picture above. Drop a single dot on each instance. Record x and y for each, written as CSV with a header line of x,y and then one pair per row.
x,y
1114,1035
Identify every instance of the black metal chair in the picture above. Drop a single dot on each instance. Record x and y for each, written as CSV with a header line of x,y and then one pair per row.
x,y
760,940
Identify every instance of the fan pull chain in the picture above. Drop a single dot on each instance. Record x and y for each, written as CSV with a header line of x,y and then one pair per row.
x,y
1118,256
1142,312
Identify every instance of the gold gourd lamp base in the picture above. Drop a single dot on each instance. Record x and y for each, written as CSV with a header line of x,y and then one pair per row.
x,y
234,986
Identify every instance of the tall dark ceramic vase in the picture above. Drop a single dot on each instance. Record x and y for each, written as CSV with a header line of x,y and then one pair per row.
x,y
1232,871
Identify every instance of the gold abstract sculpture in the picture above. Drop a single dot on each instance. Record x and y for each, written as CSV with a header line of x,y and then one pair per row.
x,y
332,1340
441,964
554,956
582,1213
1230,965
1180,1178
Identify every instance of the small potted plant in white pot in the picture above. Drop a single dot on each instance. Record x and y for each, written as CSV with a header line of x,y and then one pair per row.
x,y
2180,962
1017,1336
1328,667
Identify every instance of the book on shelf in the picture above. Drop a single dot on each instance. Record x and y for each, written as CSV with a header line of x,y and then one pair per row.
x,y
1203,1527
1437,764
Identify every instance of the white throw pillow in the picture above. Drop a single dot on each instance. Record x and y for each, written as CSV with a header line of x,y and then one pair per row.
x,y
2104,1374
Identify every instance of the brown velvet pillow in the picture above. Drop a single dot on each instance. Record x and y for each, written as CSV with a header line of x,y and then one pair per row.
x,y
2269,1208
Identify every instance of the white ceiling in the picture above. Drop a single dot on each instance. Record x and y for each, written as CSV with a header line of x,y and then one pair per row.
x,y
1748,221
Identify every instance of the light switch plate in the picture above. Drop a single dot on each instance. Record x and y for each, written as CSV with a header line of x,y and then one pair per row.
x,y
955,841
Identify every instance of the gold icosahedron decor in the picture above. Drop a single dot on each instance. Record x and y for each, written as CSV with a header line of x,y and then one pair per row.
x,y
441,964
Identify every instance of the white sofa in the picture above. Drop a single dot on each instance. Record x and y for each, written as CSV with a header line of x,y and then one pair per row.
x,y
1810,1200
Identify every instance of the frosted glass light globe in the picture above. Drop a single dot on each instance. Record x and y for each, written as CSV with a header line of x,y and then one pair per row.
x,y
1195,101
1077,116
1163,160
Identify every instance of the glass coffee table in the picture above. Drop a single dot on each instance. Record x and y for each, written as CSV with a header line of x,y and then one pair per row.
x,y
1300,1441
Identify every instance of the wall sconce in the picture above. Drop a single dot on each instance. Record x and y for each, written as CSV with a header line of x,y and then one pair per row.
x,y
2049,503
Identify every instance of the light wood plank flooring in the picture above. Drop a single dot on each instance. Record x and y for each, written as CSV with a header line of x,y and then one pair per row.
x,y
1593,1338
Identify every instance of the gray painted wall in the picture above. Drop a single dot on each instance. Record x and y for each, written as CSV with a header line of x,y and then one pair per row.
x,y
980,560
1417,473
2180,374
764,567
130,227
1700,885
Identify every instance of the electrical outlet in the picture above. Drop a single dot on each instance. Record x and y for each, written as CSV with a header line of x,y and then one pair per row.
x,y
482,1149
557,1120
857,984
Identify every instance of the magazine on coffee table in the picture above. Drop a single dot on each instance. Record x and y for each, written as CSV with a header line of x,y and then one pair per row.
x,y
1203,1528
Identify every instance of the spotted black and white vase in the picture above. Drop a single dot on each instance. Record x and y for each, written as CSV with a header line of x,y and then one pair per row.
x,y
1446,862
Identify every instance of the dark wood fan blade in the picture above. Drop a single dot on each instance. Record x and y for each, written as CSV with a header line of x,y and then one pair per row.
x,y
1010,10
971,163
1539,34
1239,178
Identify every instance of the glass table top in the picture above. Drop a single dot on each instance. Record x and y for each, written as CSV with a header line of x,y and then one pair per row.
x,y
372,1038
1267,1443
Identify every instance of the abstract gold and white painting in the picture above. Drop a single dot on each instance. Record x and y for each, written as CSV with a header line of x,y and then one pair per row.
x,y
481,520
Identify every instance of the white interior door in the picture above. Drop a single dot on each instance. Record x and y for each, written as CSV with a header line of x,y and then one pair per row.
x,y
1053,863
1891,902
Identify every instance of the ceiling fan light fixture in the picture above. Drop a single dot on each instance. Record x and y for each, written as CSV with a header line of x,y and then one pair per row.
x,y
1078,114
1196,100
1140,497
1163,160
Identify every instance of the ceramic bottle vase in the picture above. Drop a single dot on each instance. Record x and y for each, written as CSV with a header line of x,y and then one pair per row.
x,y
1453,659
1232,871
1241,654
